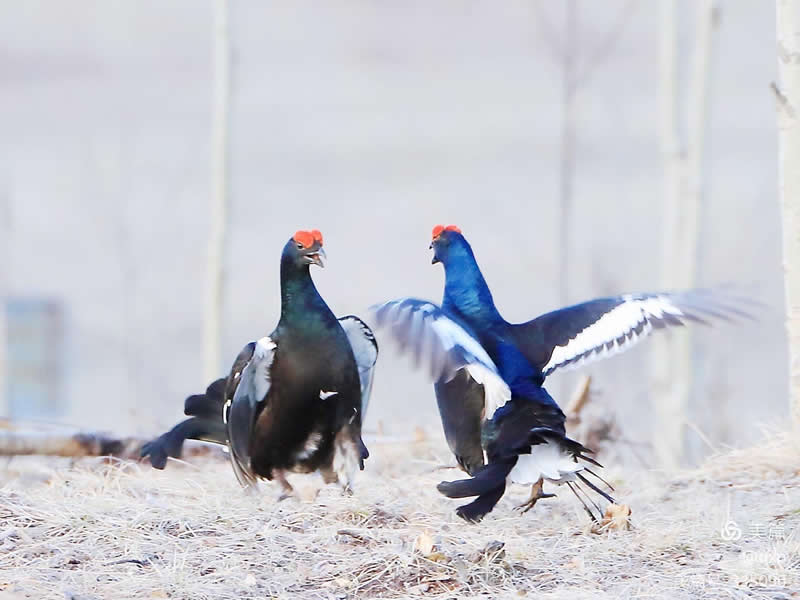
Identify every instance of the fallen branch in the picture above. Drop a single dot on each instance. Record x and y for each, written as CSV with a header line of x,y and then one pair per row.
x,y
76,445
50,439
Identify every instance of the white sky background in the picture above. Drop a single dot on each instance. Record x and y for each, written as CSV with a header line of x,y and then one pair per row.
x,y
371,122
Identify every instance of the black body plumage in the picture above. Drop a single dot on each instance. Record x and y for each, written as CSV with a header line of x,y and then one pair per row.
x,y
294,400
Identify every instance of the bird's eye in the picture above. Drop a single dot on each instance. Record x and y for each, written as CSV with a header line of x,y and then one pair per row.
x,y
299,246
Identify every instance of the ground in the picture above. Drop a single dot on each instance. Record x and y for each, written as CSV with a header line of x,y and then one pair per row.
x,y
93,529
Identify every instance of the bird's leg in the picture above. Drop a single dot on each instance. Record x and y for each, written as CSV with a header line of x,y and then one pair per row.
x,y
329,475
346,455
287,491
536,494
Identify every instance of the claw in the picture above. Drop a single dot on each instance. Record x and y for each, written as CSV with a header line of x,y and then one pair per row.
x,y
536,495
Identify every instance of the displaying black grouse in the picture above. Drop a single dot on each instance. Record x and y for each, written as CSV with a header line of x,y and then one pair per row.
x,y
498,420
294,400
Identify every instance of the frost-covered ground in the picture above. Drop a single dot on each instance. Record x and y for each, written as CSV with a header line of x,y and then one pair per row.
x,y
91,529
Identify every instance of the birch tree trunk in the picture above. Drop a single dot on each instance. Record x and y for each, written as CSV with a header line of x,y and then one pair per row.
x,y
788,96
688,258
5,247
567,161
215,269
684,188
4,407
669,402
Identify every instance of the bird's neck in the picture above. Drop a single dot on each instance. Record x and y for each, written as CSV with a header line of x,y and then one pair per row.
x,y
300,300
466,290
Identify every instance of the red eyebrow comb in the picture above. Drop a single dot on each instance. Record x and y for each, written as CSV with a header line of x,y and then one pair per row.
x,y
439,229
307,238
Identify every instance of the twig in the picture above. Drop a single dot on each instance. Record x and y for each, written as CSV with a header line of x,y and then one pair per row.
x,y
579,399
606,46
782,100
354,535
547,32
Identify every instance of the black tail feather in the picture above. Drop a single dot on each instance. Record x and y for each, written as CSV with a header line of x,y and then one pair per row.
x,y
208,405
575,486
170,444
589,498
200,405
363,453
486,480
540,435
512,440
216,389
588,459
482,505
585,507
595,488
610,487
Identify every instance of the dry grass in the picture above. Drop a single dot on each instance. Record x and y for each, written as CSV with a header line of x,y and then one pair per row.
x,y
96,530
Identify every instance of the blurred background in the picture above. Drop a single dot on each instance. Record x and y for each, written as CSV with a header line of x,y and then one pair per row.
x,y
564,138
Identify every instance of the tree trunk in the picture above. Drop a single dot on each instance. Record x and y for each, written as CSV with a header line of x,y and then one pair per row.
x,y
690,228
4,406
684,187
788,96
215,269
669,402
567,160
5,247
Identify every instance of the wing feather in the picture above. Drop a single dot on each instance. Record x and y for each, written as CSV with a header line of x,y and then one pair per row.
x,y
365,350
438,341
574,336
251,385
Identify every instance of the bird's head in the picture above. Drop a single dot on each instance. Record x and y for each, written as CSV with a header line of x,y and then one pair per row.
x,y
305,248
447,244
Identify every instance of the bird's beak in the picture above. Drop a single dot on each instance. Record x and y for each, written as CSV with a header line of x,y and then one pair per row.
x,y
434,260
317,258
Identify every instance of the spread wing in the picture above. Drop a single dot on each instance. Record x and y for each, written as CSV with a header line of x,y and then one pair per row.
x,y
436,338
248,385
580,334
365,350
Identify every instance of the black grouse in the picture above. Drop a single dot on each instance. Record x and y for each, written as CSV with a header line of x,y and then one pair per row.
x,y
294,400
498,420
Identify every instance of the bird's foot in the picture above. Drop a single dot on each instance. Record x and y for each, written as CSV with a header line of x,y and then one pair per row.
x,y
287,491
536,494
526,506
